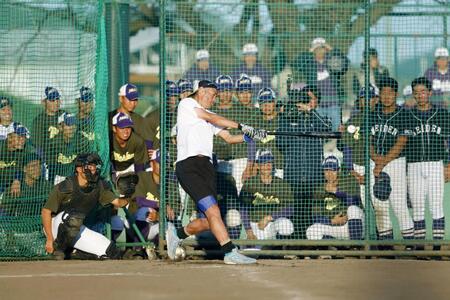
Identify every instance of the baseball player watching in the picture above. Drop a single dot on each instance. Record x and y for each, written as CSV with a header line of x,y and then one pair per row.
x,y
68,205
267,202
195,172
45,125
63,149
268,119
336,206
426,151
303,156
13,151
388,139
128,151
439,76
34,188
85,122
203,69
352,144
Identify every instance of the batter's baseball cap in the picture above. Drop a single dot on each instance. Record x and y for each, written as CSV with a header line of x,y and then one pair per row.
x,y
202,84
371,93
264,156
86,94
130,91
224,83
122,120
171,88
202,54
244,83
331,163
184,85
441,52
51,94
319,42
266,95
382,188
250,49
4,101
68,119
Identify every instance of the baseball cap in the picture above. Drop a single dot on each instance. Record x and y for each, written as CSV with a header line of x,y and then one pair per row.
x,y
319,42
4,101
382,188
122,120
52,94
21,130
67,118
331,163
130,91
266,95
244,83
184,85
86,94
250,49
171,88
264,156
202,54
441,52
202,84
224,83
370,94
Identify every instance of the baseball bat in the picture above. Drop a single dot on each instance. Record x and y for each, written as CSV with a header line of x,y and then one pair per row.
x,y
322,135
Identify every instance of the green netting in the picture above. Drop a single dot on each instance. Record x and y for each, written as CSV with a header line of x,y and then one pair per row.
x,y
50,50
300,51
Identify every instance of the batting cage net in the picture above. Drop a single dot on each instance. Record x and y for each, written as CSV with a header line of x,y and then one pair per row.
x,y
52,107
370,73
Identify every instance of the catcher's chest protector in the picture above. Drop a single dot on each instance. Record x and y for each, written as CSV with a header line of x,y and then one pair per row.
x,y
81,201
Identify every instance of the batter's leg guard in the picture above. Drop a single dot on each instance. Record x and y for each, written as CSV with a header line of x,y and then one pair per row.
x,y
438,228
419,229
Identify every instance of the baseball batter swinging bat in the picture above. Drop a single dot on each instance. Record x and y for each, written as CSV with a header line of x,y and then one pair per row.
x,y
324,135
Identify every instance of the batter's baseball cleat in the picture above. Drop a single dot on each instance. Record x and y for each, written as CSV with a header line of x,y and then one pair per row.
x,y
173,241
235,258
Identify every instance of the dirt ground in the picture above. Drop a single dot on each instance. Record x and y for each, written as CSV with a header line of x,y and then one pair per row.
x,y
270,279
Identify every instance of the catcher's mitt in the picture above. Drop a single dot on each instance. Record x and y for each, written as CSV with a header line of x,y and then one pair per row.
x,y
126,184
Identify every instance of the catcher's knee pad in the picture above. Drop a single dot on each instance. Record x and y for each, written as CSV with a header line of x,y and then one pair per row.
x,y
233,218
354,212
284,226
69,230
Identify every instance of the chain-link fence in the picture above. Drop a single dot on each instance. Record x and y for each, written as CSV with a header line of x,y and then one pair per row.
x,y
295,68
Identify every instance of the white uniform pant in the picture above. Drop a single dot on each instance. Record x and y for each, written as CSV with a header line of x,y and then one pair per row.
x,y
281,226
87,240
317,231
396,170
426,180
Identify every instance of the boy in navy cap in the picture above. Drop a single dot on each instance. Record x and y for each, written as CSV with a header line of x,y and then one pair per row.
x,y
45,125
185,88
336,206
63,149
7,124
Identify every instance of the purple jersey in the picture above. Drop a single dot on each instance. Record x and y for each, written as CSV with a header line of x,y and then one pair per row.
x,y
441,82
325,84
195,73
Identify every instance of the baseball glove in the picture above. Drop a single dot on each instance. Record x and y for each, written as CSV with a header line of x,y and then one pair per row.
x,y
126,184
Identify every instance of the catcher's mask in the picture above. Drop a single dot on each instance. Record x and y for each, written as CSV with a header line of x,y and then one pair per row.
x,y
84,160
